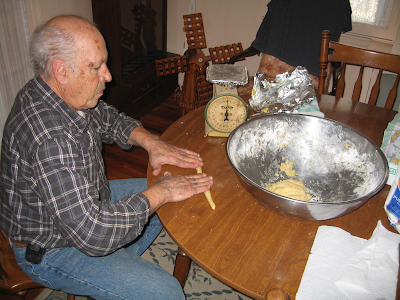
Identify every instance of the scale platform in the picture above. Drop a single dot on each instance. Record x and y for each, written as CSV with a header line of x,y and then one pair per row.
x,y
226,110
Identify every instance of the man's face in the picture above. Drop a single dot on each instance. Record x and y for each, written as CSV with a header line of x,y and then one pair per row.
x,y
89,74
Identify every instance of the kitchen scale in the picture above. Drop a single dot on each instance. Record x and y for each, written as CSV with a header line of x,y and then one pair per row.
x,y
226,110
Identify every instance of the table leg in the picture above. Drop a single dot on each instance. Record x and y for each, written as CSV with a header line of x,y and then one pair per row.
x,y
277,294
182,265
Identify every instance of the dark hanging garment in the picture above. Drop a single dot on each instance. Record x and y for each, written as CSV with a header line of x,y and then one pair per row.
x,y
291,30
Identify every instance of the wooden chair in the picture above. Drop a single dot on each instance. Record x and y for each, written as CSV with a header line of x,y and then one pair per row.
x,y
341,56
13,281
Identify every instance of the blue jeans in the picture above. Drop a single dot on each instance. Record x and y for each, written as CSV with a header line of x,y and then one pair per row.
x,y
120,275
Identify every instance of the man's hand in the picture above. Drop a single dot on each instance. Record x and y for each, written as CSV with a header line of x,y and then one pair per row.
x,y
176,188
162,153
167,154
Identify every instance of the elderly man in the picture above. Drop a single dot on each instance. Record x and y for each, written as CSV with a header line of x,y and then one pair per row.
x,y
70,228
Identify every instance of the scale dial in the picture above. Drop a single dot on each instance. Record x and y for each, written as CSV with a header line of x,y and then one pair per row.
x,y
225,112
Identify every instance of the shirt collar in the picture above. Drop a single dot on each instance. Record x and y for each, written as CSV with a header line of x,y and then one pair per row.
x,y
52,99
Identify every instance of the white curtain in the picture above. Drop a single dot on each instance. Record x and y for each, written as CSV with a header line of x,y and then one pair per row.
x,y
371,12
15,70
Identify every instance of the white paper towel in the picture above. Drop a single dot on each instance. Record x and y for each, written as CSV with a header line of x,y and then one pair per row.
x,y
342,266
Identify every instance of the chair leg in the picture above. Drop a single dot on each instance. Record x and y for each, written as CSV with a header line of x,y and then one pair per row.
x,y
21,294
182,265
70,297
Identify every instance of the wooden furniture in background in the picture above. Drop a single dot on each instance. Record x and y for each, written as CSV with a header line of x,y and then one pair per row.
x,y
196,90
13,281
342,55
242,243
135,33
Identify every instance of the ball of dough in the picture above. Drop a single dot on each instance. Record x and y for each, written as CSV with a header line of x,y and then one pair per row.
x,y
290,188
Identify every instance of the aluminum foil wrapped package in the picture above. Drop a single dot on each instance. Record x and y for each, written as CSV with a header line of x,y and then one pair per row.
x,y
285,93
227,74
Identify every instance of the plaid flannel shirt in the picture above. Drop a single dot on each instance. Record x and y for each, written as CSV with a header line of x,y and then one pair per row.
x,y
53,187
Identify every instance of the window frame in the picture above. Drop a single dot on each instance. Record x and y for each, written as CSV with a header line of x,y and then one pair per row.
x,y
390,33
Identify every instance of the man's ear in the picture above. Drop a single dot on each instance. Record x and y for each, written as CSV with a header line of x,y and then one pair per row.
x,y
60,71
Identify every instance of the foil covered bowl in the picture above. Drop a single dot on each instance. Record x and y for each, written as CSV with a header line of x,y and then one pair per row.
x,y
340,167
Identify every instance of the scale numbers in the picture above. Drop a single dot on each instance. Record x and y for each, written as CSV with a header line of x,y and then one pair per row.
x,y
225,112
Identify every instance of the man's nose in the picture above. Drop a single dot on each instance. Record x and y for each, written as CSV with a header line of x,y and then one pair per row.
x,y
107,74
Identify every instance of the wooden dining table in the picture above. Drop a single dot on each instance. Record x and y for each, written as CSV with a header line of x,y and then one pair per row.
x,y
241,242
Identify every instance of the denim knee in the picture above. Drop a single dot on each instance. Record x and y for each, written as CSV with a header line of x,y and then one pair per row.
x,y
168,289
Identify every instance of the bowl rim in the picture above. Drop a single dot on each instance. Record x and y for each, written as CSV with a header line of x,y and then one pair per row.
x,y
362,199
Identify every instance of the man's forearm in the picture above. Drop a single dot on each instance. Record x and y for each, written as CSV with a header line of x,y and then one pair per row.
x,y
142,137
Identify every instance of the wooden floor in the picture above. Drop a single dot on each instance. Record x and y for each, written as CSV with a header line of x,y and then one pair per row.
x,y
121,164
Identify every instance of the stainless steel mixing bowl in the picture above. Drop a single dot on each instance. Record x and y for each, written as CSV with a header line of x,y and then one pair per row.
x,y
340,167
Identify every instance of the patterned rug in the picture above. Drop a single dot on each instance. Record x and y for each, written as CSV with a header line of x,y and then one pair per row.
x,y
199,284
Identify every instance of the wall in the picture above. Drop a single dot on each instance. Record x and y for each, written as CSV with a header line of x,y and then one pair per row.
x,y
225,21
39,11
